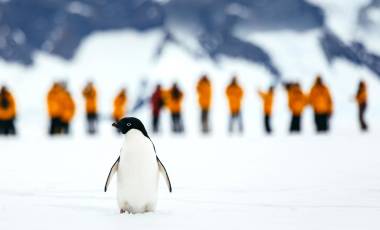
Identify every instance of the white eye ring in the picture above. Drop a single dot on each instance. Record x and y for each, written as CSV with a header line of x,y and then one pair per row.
x,y
129,124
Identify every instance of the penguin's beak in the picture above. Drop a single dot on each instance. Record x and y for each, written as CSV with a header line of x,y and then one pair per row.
x,y
116,125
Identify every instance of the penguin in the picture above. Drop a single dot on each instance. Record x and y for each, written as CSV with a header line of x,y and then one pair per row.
x,y
138,168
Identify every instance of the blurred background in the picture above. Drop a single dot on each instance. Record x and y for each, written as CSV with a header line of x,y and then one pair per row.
x,y
285,169
122,43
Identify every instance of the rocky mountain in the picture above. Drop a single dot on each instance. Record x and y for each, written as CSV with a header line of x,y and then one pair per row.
x,y
58,27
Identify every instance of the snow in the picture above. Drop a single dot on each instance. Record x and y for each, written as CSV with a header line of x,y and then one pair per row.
x,y
79,8
287,182
374,15
342,17
248,181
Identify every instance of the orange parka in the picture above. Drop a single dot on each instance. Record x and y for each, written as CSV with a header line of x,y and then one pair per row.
x,y
204,94
267,99
68,106
320,99
173,100
234,95
53,101
89,93
361,96
119,106
7,106
297,100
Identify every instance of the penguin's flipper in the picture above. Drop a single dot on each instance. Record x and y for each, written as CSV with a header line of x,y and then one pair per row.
x,y
162,170
113,170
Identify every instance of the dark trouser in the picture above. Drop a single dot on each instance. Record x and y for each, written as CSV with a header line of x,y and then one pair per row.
x,y
156,122
363,123
92,123
177,125
235,118
267,123
65,127
204,121
7,127
55,126
295,123
322,122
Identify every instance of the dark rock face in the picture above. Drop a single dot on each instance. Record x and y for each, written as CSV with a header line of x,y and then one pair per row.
x,y
354,52
216,20
58,26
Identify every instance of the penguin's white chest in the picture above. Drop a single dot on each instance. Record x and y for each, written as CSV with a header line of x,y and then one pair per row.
x,y
137,177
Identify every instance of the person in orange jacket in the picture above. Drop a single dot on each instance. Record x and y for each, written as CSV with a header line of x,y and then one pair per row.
x,y
361,100
204,92
235,95
173,101
7,112
297,101
322,104
55,108
267,98
90,95
68,110
119,105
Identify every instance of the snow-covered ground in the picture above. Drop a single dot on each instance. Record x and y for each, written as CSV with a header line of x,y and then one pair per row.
x,y
281,182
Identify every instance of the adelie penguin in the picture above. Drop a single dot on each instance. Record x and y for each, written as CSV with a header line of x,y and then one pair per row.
x,y
138,169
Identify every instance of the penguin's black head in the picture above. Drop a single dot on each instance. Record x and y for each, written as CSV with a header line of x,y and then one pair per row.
x,y
127,123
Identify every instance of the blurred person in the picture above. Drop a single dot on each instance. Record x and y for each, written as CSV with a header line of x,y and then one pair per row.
x,y
120,105
68,110
204,99
322,104
156,102
90,95
173,101
361,100
55,108
297,101
7,112
267,99
234,96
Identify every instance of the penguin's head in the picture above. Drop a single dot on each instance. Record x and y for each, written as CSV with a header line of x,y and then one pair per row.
x,y
127,123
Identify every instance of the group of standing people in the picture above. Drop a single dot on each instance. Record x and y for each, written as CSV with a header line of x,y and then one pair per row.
x,y
61,106
320,100
171,99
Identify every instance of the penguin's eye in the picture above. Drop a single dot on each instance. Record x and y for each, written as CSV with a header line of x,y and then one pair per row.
x,y
129,124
